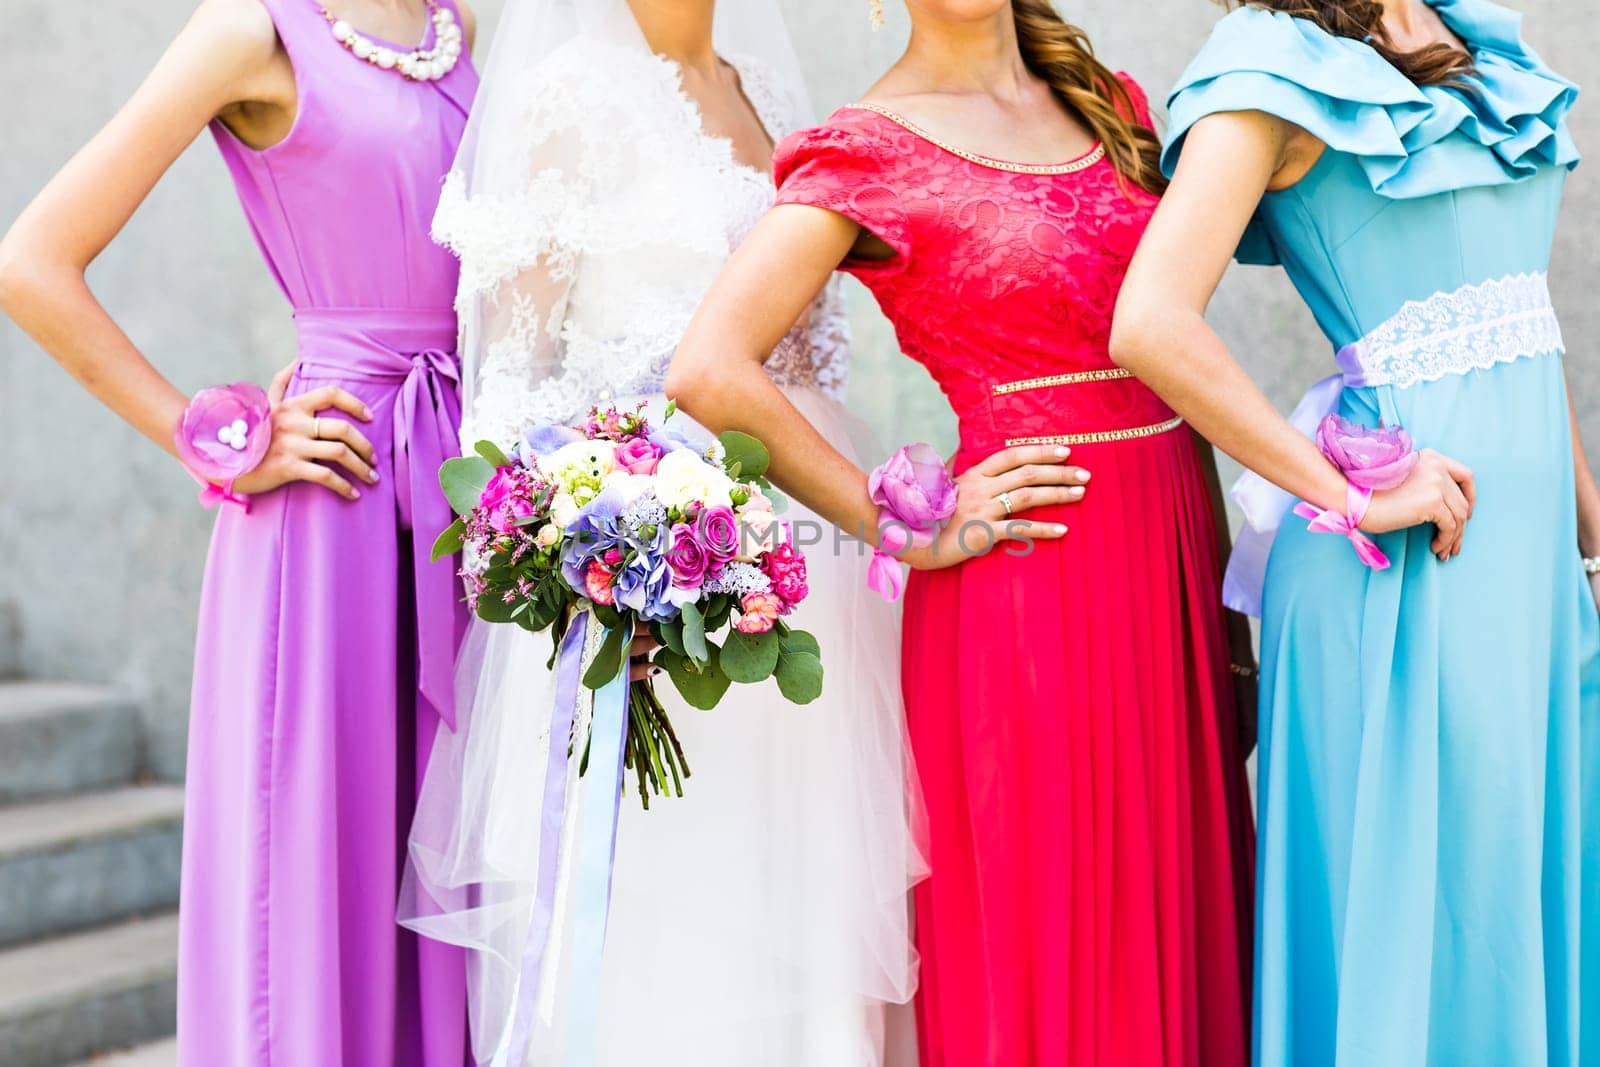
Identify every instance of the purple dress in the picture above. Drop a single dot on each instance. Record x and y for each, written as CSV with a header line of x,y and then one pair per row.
x,y
327,639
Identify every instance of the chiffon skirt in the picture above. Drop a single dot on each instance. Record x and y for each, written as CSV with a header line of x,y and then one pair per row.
x,y
762,918
1072,719
1430,763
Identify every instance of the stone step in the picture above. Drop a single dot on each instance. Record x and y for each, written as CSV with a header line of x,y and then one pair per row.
x,y
57,738
89,859
160,1054
65,999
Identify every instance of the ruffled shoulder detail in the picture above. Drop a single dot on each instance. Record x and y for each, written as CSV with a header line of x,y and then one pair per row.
x,y
847,166
1411,141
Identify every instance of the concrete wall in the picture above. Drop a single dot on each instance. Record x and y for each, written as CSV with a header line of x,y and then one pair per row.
x,y
101,545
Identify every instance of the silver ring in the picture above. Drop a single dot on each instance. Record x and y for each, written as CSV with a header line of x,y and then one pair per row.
x,y
316,428
1005,502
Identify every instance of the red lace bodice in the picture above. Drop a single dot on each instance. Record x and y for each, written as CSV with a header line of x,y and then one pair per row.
x,y
1002,274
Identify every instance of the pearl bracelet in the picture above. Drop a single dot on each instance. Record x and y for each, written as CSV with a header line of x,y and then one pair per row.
x,y
1591,565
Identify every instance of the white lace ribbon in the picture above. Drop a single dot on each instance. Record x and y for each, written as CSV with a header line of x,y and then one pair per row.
x,y
1473,328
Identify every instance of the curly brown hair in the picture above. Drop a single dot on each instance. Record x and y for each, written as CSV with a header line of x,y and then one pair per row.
x,y
1060,54
1362,20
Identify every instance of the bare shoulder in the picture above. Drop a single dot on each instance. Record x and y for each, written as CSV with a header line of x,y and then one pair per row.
x,y
242,31
469,22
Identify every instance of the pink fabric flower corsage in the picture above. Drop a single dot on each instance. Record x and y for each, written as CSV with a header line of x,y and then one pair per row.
x,y
1371,460
223,435
915,494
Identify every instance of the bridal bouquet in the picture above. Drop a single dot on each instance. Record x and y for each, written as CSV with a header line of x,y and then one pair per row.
x,y
629,529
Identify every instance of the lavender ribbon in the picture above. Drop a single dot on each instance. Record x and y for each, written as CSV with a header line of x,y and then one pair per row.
x,y
553,814
1265,506
596,844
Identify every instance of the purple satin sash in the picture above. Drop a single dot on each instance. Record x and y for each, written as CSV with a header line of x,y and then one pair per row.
x,y
414,351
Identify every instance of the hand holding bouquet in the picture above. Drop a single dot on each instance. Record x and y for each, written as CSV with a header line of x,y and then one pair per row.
x,y
649,534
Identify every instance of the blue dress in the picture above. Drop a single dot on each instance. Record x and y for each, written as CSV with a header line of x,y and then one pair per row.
x,y
1429,879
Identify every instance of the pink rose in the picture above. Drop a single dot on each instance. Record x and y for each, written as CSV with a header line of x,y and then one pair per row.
x,y
598,581
915,487
760,613
638,456
1371,459
718,531
687,558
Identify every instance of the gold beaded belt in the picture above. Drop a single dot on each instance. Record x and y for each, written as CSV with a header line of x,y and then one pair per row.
x,y
1097,437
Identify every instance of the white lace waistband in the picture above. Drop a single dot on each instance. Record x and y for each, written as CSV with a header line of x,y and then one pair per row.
x,y
1473,328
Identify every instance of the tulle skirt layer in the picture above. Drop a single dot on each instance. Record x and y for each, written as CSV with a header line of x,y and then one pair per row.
x,y
760,919
1088,817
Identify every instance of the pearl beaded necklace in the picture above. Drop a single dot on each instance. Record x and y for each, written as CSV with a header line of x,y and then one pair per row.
x,y
421,64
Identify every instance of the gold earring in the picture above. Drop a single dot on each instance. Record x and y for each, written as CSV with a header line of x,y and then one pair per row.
x,y
876,7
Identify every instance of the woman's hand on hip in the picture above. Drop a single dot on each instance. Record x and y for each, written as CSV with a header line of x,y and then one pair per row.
x,y
992,497
307,445
1439,491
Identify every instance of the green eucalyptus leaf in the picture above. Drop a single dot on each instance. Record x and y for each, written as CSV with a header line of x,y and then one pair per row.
x,y
700,688
463,481
799,676
718,609
749,658
612,659
449,542
792,642
694,634
749,454
491,452
670,634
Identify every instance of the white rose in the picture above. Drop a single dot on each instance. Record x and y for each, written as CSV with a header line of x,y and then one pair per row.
x,y
563,510
548,535
629,486
683,478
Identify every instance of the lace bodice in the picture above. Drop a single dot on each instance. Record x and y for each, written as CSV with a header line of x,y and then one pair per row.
x,y
1004,278
583,281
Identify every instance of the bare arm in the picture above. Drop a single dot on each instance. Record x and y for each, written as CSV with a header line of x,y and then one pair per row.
x,y
717,377
1161,333
1588,492
225,62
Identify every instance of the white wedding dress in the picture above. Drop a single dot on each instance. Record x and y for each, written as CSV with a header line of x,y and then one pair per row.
x,y
762,919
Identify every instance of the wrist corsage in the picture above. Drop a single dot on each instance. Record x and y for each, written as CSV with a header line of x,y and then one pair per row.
x,y
223,434
1371,460
915,495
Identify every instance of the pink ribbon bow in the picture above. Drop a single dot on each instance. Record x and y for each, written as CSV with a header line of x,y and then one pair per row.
x,y
885,575
213,495
1347,525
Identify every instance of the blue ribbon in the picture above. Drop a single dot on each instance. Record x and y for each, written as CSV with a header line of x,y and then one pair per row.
x,y
553,813
597,852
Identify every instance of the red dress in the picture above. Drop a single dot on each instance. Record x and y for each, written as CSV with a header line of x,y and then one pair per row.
x,y
1070,710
